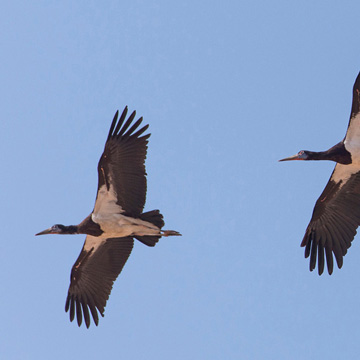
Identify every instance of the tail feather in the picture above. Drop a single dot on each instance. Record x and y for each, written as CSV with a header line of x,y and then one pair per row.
x,y
148,240
153,217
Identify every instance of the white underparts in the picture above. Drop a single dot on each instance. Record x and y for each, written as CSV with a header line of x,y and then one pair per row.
x,y
343,173
92,243
118,225
108,214
106,202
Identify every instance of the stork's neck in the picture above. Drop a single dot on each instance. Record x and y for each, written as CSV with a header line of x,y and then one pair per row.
x,y
337,153
71,229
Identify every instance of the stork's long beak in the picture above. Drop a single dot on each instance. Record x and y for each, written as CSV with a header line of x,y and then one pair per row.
x,y
294,157
47,231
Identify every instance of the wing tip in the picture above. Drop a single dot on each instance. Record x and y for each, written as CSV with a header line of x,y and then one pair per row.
x,y
120,128
79,309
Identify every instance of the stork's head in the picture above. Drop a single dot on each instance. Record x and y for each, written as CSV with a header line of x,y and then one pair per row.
x,y
301,155
59,229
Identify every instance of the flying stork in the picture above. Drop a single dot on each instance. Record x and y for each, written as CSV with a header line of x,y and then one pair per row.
x,y
336,214
116,220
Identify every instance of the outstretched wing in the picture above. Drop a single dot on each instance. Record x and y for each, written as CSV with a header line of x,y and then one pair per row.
x,y
93,274
121,169
335,219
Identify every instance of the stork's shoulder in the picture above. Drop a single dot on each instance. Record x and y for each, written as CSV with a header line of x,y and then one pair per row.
x,y
90,227
342,173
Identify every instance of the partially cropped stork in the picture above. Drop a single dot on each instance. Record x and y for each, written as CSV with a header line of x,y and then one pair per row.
x,y
116,220
336,214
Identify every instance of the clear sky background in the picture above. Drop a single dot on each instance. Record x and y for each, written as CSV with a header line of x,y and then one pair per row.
x,y
228,88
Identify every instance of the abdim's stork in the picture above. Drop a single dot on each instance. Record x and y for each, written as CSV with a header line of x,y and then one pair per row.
x,y
117,218
336,214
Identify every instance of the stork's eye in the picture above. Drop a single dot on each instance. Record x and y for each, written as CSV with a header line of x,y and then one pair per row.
x,y
301,152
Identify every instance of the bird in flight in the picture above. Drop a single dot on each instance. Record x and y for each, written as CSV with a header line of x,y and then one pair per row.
x,y
116,220
336,214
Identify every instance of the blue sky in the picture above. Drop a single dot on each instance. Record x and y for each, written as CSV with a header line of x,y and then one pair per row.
x,y
228,88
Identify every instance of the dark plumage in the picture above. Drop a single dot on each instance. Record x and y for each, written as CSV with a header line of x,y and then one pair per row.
x,y
336,214
117,218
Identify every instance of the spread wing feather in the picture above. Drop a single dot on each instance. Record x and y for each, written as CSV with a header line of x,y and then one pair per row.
x,y
122,164
93,274
335,219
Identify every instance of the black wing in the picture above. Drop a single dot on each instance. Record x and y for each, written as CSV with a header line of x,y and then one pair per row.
x,y
335,219
121,168
93,274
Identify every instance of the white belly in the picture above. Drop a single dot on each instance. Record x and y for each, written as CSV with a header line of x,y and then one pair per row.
x,y
117,225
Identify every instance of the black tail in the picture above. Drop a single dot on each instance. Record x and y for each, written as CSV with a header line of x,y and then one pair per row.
x,y
155,218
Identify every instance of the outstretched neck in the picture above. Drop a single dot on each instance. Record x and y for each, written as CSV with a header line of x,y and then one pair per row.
x,y
337,153
71,229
